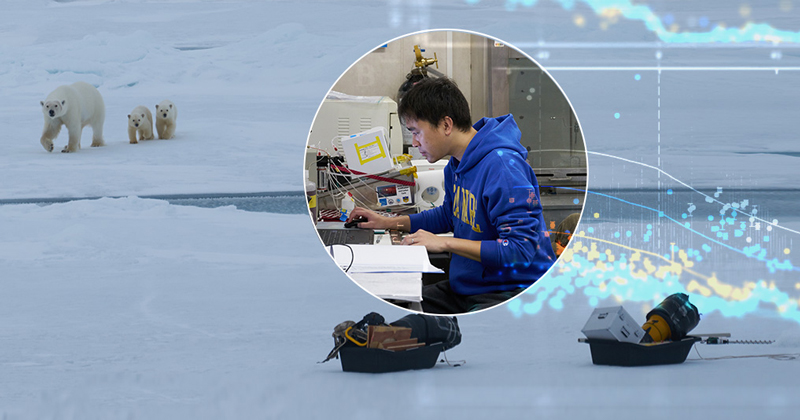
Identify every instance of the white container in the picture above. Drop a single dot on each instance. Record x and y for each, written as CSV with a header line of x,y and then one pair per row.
x,y
368,152
348,204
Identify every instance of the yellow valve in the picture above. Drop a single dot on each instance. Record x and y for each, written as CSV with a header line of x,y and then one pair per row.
x,y
409,171
424,62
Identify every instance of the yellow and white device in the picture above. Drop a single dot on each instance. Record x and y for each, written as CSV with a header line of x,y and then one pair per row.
x,y
368,151
430,184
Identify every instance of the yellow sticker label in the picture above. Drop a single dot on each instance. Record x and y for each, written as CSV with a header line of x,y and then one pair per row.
x,y
370,151
312,201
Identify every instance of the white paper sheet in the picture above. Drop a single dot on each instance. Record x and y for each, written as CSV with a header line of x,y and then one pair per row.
x,y
383,259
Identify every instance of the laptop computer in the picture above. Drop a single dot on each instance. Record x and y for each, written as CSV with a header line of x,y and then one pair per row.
x,y
333,233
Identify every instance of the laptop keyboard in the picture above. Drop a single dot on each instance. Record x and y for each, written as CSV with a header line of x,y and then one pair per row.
x,y
345,236
333,236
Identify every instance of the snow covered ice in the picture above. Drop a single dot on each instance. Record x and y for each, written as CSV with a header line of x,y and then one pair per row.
x,y
135,308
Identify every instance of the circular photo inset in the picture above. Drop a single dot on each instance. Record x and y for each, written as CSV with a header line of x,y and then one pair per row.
x,y
445,172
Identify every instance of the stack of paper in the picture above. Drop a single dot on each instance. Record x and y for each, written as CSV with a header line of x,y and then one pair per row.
x,y
388,272
399,286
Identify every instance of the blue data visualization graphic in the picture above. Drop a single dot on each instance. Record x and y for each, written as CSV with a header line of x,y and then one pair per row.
x,y
686,111
667,29
714,245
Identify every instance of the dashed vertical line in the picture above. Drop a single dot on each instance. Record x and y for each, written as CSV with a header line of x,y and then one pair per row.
x,y
658,111
658,141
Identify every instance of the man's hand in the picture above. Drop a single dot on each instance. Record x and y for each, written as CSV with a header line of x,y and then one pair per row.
x,y
430,241
433,243
376,221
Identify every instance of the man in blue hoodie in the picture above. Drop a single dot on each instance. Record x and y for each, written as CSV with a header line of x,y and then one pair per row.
x,y
500,245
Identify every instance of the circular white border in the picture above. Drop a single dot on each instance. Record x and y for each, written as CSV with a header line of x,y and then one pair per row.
x,y
506,44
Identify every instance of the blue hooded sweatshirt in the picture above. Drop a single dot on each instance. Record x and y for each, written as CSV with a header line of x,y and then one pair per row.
x,y
492,196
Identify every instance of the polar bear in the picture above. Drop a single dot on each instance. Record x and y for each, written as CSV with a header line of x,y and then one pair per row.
x,y
76,106
140,120
166,114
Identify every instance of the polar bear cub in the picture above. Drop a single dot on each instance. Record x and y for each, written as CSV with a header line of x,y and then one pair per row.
x,y
140,120
75,106
166,114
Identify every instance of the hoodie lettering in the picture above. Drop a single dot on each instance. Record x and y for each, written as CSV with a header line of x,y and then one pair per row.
x,y
464,207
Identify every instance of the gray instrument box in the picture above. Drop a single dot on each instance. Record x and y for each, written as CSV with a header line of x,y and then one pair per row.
x,y
613,323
